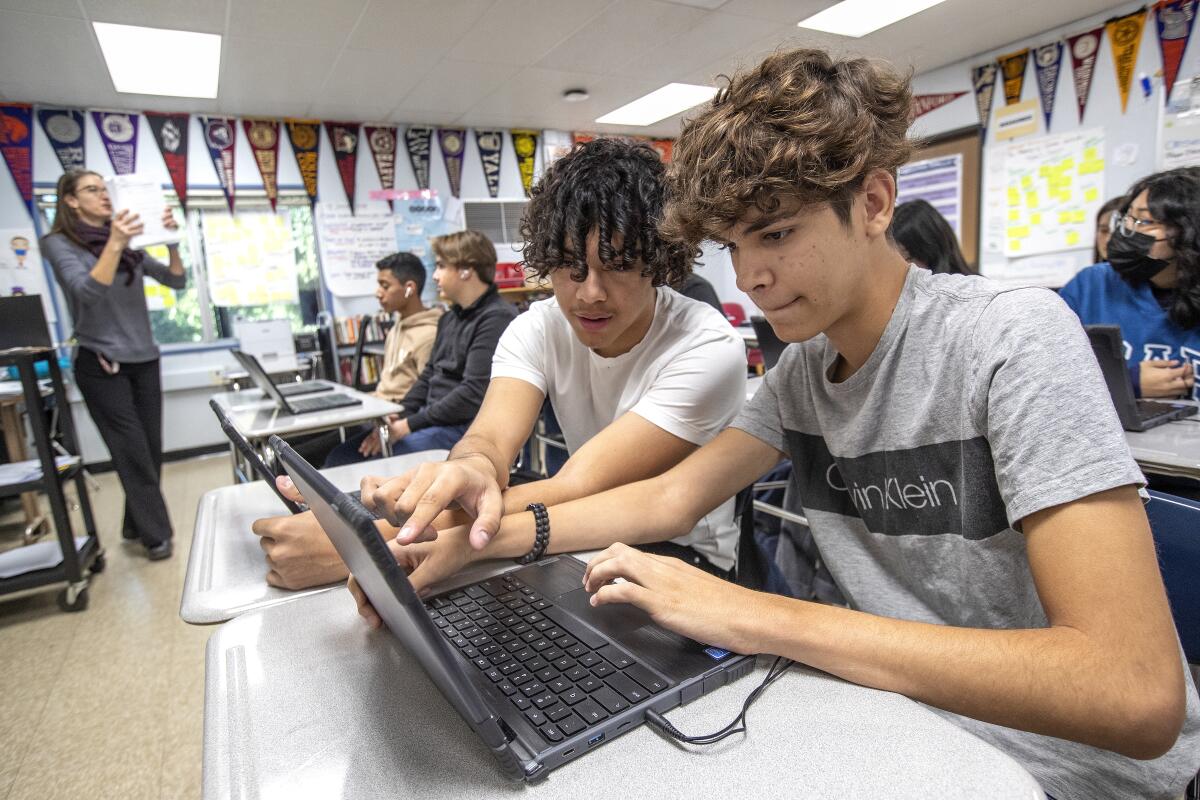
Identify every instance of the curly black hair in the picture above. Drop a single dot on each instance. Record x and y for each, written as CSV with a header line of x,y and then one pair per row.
x,y
615,188
1174,199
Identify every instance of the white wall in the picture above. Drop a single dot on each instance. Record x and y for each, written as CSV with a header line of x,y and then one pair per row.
x,y
1137,125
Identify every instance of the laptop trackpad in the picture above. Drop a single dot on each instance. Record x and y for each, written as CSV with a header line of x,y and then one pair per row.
x,y
615,620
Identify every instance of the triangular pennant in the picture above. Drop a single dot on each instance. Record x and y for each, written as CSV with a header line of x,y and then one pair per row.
x,y
983,81
171,133
64,127
382,141
666,147
417,140
491,148
1084,47
16,143
305,137
1013,68
525,146
263,135
1125,38
344,138
922,104
1175,19
220,134
453,142
1047,63
119,133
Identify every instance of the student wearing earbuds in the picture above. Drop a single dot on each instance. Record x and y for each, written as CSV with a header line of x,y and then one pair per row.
x,y
448,393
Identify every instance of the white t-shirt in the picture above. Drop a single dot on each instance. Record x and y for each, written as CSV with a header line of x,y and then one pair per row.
x,y
687,376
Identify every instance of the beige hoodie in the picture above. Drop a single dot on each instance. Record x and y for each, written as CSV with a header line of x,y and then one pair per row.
x,y
405,352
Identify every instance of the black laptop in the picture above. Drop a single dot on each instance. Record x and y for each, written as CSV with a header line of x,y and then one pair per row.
x,y
304,405
252,457
540,675
287,388
1136,415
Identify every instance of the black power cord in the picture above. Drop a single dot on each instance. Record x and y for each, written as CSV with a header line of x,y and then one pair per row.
x,y
777,670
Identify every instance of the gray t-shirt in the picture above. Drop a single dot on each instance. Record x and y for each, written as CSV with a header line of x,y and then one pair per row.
x,y
979,406
110,320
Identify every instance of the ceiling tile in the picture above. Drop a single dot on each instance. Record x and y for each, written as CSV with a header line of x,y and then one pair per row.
x,y
624,31
347,112
255,72
429,27
423,116
716,34
311,22
459,85
184,15
790,11
377,79
55,8
522,31
49,48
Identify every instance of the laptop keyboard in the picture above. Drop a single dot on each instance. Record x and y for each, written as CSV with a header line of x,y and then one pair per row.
x,y
322,403
304,387
1149,409
563,676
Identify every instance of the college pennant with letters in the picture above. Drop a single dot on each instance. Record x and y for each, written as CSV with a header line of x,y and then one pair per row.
x,y
1013,67
263,135
381,139
491,148
1084,48
343,136
64,127
983,80
119,133
1047,63
16,143
1175,19
171,133
1125,37
922,104
453,142
220,134
417,140
305,136
525,146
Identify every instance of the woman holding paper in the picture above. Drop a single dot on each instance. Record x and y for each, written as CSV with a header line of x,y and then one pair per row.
x,y
116,361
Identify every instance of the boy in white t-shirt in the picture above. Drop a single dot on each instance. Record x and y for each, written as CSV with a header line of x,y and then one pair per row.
x,y
638,375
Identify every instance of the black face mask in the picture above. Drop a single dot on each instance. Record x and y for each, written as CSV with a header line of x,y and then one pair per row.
x,y
1130,257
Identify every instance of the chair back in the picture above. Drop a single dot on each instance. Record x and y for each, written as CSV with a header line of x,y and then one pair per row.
x,y
1175,522
770,344
734,313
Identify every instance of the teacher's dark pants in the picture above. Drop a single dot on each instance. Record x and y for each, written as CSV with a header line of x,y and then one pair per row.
x,y
127,410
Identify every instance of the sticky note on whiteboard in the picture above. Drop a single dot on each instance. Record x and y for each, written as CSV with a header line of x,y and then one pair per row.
x,y
1014,244
1091,194
1031,199
1014,214
1072,238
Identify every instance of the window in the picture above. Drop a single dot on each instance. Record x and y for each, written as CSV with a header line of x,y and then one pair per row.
x,y
196,314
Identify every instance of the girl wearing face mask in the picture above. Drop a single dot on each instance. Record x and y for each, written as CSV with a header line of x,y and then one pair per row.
x,y
1151,284
116,358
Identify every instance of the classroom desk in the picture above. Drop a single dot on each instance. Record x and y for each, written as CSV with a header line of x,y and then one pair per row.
x,y
1172,449
225,570
259,418
302,700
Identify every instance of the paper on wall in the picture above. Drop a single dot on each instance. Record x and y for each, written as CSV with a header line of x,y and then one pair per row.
x,y
144,197
251,259
350,244
937,181
21,270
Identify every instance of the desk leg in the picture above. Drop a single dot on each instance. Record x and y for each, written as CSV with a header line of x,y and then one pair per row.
x,y
385,439
14,440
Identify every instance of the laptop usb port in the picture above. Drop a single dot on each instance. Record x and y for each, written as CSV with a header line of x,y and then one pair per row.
x,y
597,739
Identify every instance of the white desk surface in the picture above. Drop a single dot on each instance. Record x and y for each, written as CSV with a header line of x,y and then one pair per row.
x,y
302,700
226,574
1171,449
257,417
748,335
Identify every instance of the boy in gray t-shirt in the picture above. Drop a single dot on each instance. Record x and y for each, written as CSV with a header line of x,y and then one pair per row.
x,y
953,449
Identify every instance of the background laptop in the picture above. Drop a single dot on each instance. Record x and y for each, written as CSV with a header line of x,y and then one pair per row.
x,y
257,465
1135,415
287,388
538,674
304,405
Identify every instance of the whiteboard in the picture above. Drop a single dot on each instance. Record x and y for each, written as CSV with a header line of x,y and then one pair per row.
x,y
350,244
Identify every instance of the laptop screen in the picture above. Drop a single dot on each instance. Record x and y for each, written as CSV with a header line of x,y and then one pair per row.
x,y
261,378
352,530
23,322
261,470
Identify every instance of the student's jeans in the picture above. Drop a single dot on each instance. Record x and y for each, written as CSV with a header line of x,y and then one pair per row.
x,y
435,438
127,410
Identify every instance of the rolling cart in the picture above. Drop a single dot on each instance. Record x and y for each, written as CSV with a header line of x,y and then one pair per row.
x,y
78,564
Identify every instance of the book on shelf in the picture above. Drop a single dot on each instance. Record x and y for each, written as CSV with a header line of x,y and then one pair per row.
x,y
349,329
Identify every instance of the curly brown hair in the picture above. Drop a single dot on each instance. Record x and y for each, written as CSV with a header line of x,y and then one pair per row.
x,y
615,188
800,128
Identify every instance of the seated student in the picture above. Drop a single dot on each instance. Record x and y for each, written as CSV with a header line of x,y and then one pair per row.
x,y
1104,228
1150,285
925,238
443,401
637,375
407,346
972,496
697,288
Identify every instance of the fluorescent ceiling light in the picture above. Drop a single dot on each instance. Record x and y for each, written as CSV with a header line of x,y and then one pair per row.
x,y
859,17
160,61
659,104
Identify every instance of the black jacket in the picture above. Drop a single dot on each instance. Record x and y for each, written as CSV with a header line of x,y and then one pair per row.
x,y
451,387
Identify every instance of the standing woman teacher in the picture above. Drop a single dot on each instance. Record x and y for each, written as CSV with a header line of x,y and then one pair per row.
x,y
116,361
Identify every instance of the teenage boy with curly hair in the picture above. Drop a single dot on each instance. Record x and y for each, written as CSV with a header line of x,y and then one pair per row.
x,y
972,495
638,375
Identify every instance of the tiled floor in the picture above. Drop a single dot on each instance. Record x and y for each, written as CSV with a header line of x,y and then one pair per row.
x,y
109,702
